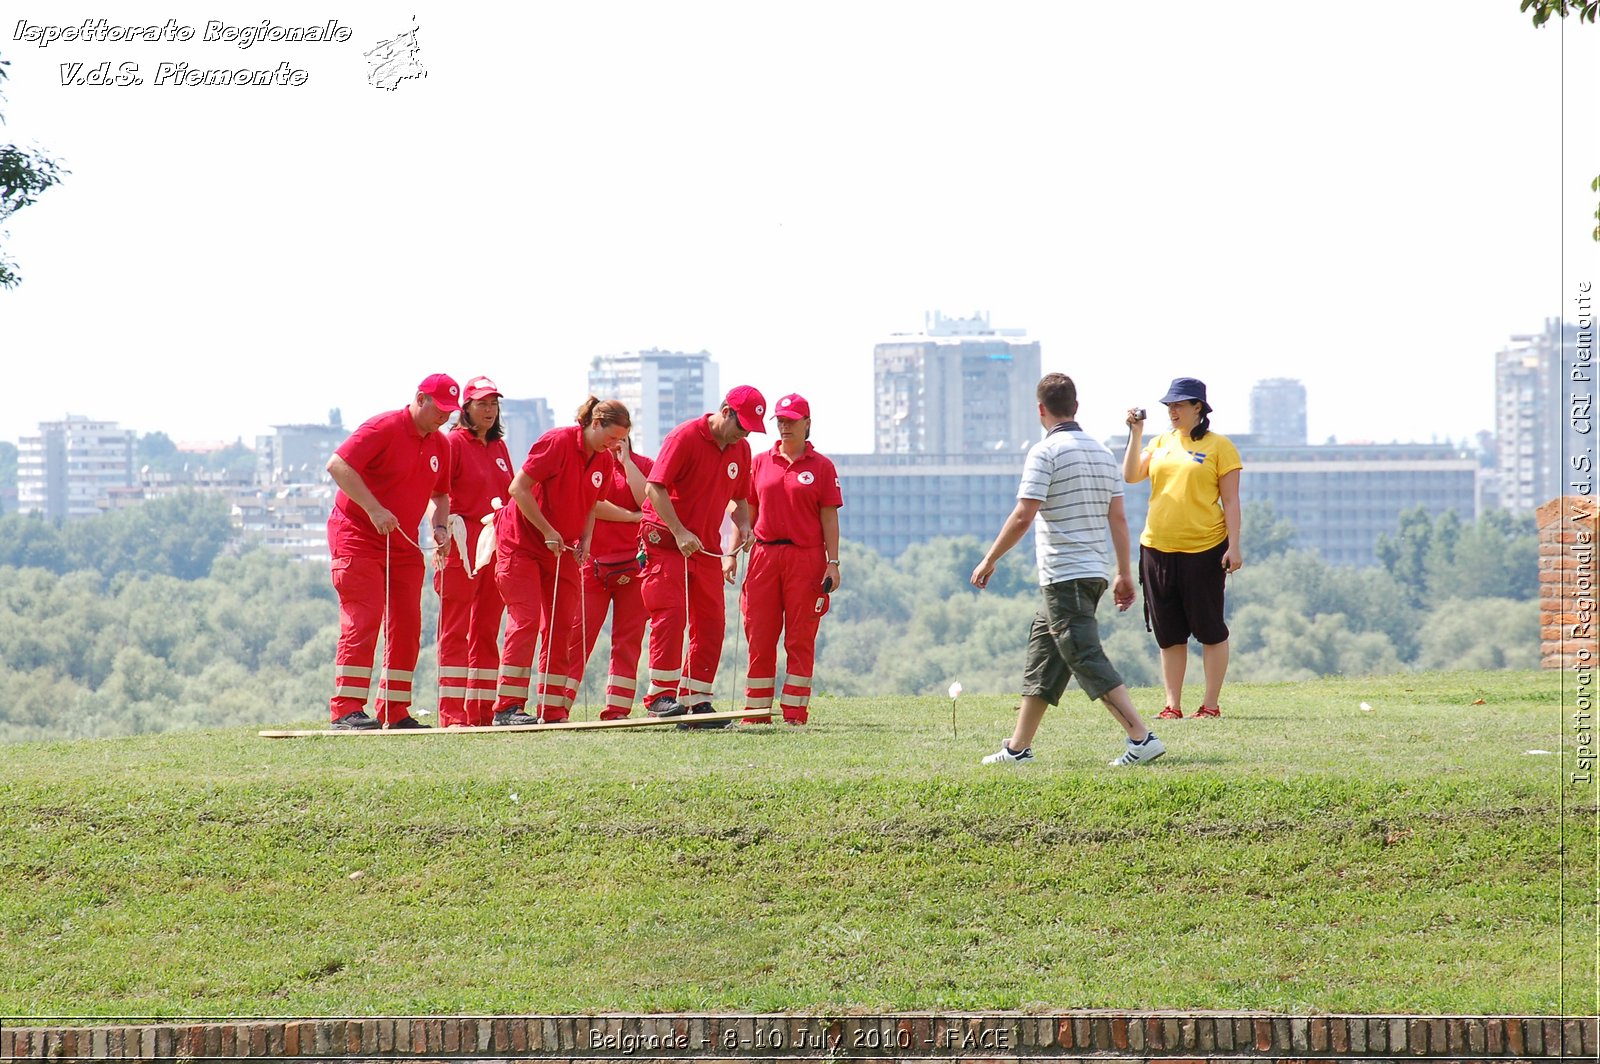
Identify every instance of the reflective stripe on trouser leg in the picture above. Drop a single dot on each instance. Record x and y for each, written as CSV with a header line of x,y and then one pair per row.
x,y
521,579
620,691
480,694
406,572
453,693
662,596
796,698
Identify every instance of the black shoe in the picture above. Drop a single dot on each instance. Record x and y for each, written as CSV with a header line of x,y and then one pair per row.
x,y
665,706
357,721
513,718
405,724
708,725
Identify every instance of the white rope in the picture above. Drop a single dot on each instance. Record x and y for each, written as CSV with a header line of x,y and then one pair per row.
x,y
383,675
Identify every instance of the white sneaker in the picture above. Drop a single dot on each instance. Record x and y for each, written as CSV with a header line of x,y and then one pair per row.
x,y
1007,756
1140,753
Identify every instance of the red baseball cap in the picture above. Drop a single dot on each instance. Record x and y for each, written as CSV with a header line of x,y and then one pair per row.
x,y
479,388
750,407
794,407
443,390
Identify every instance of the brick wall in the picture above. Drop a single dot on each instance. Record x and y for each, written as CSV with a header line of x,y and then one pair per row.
x,y
1566,576
1173,1038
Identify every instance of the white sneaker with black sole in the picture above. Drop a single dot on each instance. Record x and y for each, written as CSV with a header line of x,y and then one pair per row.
x,y
1140,753
1008,756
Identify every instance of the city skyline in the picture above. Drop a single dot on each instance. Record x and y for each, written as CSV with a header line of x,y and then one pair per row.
x,y
786,187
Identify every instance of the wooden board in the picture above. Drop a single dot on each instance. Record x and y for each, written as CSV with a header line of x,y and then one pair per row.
x,y
523,729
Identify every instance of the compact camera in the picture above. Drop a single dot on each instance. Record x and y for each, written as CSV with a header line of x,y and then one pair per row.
x,y
1138,413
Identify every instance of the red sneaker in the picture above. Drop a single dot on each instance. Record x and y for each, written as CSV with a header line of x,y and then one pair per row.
x,y
1208,711
1168,713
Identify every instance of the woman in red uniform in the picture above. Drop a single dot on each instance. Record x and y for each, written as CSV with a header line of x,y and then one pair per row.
x,y
611,578
470,607
542,537
794,508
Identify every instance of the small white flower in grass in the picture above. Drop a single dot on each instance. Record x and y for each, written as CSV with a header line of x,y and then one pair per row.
x,y
516,799
955,689
1366,708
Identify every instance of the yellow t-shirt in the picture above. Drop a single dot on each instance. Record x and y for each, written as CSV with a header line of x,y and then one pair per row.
x,y
1185,499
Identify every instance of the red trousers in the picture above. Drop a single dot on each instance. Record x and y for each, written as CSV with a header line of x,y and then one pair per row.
x,y
539,601
665,569
628,616
783,592
469,641
359,583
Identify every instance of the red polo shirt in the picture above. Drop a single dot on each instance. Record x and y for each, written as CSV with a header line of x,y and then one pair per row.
x,y
566,484
701,479
613,540
480,472
790,496
401,467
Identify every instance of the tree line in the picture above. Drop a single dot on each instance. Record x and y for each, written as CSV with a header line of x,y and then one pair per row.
x,y
160,617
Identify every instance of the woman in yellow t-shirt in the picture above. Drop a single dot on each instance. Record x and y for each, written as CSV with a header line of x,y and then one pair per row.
x,y
1191,537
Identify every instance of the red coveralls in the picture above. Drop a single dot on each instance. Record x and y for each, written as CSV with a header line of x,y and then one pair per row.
x,y
403,469
470,607
541,591
609,581
701,478
783,589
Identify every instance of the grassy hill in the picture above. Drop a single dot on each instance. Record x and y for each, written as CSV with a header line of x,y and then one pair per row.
x,y
1298,854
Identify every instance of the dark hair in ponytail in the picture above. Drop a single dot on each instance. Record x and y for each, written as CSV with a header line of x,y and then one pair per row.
x,y
604,412
1202,426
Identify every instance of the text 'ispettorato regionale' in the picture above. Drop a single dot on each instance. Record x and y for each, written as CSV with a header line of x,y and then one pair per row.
x,y
100,31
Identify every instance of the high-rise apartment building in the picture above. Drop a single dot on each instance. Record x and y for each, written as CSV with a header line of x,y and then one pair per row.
x,y
72,466
958,387
298,454
1534,397
661,389
1278,412
524,421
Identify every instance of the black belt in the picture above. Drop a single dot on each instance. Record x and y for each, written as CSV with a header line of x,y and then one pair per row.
x,y
776,542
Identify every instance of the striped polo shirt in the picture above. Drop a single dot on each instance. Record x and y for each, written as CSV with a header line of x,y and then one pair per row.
x,y
1074,478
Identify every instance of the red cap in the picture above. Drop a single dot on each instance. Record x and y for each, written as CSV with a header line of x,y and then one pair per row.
x,y
793,407
749,407
443,390
479,388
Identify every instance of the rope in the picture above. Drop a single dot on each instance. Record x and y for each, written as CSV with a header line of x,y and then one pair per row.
x,y
383,676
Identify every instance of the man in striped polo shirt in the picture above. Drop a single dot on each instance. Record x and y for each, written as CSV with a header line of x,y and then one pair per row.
x,y
1071,489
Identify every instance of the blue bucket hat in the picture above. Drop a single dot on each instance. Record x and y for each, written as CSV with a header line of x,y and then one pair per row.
x,y
1185,389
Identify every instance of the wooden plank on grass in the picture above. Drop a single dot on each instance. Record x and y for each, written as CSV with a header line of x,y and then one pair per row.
x,y
566,725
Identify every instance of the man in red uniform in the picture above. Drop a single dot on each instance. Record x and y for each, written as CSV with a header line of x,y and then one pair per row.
x,y
612,579
470,607
704,464
386,473
542,537
794,565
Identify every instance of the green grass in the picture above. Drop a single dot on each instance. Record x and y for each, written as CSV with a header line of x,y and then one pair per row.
x,y
1299,854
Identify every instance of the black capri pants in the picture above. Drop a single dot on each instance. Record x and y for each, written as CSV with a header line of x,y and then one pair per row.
x,y
1183,594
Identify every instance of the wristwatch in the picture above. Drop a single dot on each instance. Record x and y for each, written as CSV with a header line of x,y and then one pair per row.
x,y
833,561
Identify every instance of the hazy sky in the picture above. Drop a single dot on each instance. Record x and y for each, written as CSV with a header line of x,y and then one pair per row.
x,y
1367,196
